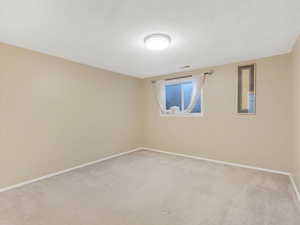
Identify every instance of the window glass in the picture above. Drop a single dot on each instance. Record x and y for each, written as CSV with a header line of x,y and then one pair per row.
x,y
246,89
173,96
179,94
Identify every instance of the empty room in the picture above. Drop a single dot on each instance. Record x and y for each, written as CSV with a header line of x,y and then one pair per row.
x,y
153,112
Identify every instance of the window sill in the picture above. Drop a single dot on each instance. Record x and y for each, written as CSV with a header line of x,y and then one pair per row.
x,y
182,115
246,114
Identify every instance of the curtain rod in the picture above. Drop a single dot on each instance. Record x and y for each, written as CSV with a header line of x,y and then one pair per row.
x,y
181,77
175,78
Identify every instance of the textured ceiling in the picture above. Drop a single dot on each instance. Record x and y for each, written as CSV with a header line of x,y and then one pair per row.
x,y
109,33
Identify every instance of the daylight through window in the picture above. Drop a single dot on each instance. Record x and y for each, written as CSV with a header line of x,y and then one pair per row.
x,y
177,97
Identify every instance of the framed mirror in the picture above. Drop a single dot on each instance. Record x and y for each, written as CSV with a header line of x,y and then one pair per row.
x,y
246,102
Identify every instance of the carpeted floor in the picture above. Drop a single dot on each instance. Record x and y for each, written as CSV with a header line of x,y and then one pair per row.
x,y
148,188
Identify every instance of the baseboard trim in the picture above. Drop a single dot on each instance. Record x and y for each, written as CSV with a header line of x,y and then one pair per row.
x,y
295,186
153,150
66,170
231,164
217,161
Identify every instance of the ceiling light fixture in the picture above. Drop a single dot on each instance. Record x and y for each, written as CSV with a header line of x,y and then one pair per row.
x,y
156,42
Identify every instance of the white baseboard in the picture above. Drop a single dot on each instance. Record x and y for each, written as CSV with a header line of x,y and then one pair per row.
x,y
66,170
230,164
295,186
218,161
153,150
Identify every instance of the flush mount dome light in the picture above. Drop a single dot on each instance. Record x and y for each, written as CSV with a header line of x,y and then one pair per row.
x,y
157,42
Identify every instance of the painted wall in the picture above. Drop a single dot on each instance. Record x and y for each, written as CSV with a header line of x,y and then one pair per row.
x,y
263,140
295,57
56,114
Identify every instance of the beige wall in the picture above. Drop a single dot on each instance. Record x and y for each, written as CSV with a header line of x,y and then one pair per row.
x,y
262,140
55,114
296,111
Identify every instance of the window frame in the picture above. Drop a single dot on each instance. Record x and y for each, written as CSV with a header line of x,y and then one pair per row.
x,y
252,67
179,81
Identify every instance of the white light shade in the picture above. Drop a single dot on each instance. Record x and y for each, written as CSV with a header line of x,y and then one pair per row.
x,y
157,42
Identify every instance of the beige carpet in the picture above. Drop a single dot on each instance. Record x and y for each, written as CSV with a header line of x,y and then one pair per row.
x,y
147,188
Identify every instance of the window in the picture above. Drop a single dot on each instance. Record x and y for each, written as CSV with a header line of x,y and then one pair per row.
x,y
246,89
177,97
